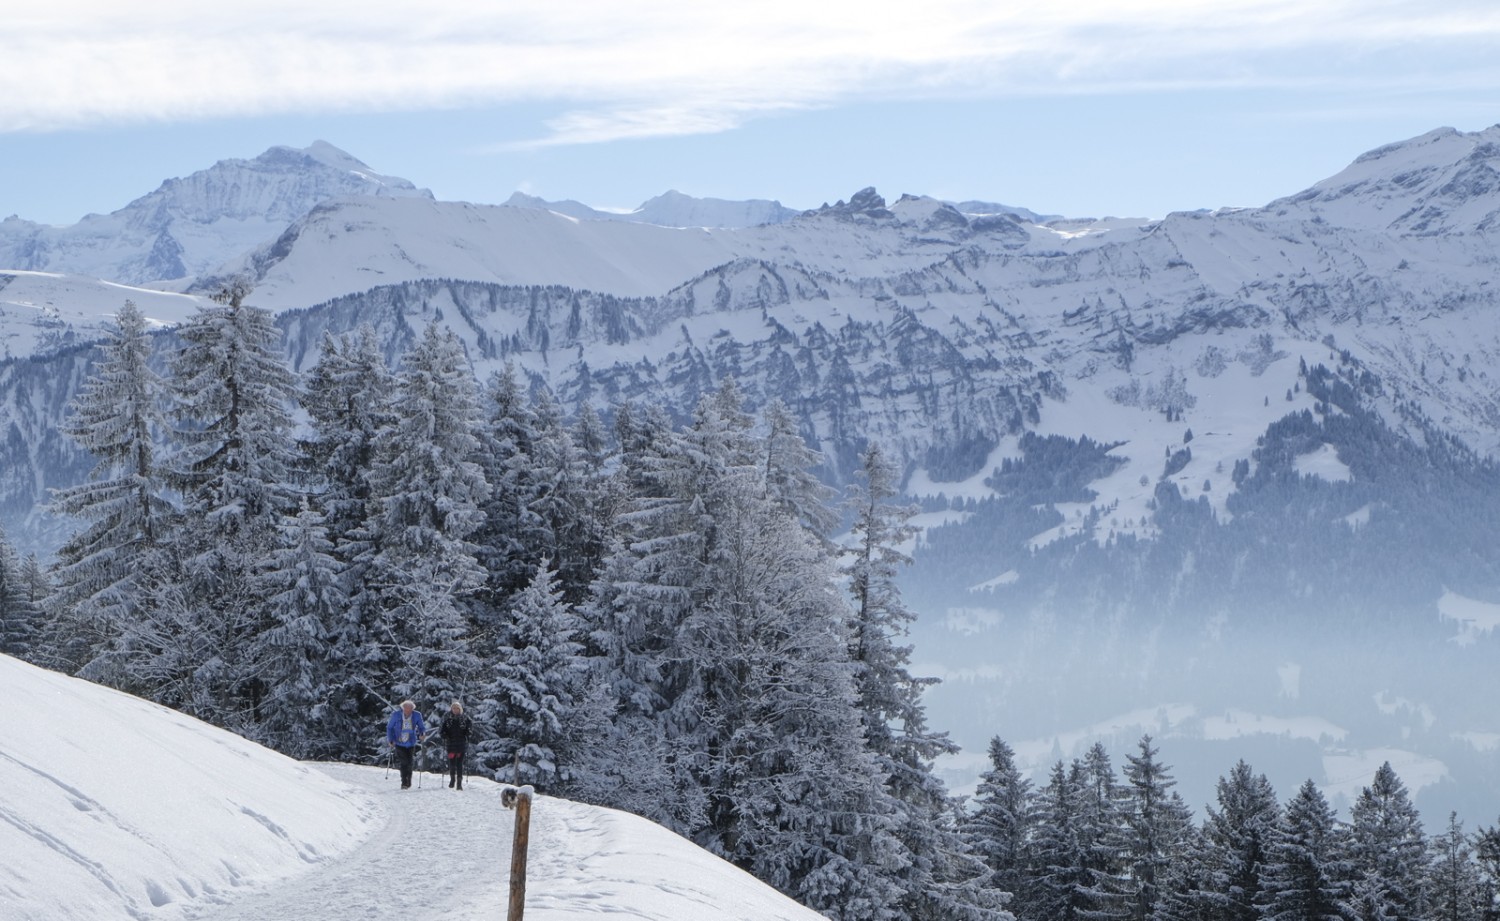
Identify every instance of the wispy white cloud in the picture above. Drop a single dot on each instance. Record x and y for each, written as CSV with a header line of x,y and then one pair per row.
x,y
670,67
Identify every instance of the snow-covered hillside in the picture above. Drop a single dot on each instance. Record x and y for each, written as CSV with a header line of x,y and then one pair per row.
x,y
112,807
41,312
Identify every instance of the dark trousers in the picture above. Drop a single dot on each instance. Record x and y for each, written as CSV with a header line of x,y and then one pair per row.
x,y
456,768
403,761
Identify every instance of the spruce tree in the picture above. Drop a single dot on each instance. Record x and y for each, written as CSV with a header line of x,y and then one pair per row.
x,y
18,614
294,653
944,879
419,571
1000,823
1156,826
1387,851
232,400
1455,892
728,643
1061,878
1101,837
538,684
1237,836
103,568
1306,875
348,401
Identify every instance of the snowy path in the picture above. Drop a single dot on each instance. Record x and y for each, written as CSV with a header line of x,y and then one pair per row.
x,y
445,854
440,853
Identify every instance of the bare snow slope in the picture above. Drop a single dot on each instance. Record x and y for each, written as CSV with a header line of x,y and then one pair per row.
x,y
41,312
113,807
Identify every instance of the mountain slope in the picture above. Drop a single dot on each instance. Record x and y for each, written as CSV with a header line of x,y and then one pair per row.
x,y
202,824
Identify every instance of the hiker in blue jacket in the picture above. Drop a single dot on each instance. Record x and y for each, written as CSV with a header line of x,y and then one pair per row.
x,y
404,732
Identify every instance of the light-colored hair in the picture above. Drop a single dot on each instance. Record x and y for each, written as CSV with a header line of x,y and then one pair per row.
x,y
407,703
458,706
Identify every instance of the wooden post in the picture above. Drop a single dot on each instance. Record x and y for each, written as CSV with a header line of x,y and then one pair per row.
x,y
518,798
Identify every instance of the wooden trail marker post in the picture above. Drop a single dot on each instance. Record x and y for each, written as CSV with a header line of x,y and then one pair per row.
x,y
519,799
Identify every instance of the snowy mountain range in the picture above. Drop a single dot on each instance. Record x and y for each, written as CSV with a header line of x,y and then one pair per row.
x,y
203,824
1227,476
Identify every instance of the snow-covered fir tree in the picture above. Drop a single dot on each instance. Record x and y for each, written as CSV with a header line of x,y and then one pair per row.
x,y
101,570
728,639
945,879
1000,823
1238,834
510,541
1454,889
294,653
1100,832
1156,828
20,616
419,570
1387,851
347,395
538,685
232,401
1061,877
1306,875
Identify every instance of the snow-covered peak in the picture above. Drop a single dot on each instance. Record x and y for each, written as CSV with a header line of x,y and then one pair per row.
x,y
278,186
1442,182
193,224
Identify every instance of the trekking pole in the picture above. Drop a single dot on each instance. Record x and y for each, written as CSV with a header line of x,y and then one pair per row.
x,y
390,755
421,759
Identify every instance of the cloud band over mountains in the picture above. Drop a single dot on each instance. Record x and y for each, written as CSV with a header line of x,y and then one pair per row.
x,y
610,70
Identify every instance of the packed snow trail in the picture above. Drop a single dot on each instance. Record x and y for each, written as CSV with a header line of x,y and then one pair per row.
x,y
445,854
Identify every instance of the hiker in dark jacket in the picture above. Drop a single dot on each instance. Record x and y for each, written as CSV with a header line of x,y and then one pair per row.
x,y
404,732
455,730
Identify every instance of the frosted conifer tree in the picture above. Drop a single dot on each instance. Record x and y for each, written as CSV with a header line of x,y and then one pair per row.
x,y
347,397
18,615
728,639
1387,851
1306,873
233,394
1000,823
1061,877
1454,890
1156,826
301,715
508,541
427,491
1237,836
538,681
787,465
102,569
1101,836
944,879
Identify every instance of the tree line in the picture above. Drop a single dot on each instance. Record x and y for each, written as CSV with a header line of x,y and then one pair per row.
x,y
1090,844
650,615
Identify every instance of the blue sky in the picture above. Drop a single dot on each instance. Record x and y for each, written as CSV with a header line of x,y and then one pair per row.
x,y
1128,107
